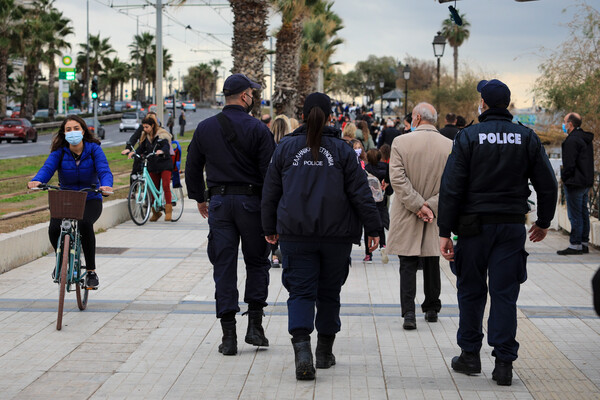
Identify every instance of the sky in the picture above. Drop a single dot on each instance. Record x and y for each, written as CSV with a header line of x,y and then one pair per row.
x,y
508,40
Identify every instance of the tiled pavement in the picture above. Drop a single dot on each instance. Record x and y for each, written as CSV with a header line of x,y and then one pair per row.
x,y
150,333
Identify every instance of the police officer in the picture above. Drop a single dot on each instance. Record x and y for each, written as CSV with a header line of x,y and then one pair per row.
x,y
314,199
234,149
483,198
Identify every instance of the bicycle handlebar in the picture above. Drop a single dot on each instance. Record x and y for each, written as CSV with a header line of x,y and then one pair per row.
x,y
45,186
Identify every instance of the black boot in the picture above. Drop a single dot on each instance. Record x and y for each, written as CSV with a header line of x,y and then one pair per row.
x,y
323,353
255,334
228,346
305,370
467,363
502,373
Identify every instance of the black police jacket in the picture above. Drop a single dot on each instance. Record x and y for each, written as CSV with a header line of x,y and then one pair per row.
x,y
225,165
578,159
488,172
323,200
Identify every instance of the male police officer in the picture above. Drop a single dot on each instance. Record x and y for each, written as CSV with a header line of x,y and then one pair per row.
x,y
483,198
235,149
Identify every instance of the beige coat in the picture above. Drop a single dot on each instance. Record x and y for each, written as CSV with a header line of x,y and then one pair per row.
x,y
416,166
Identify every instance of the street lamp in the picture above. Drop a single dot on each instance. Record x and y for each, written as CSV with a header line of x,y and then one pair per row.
x,y
439,43
370,87
381,83
406,73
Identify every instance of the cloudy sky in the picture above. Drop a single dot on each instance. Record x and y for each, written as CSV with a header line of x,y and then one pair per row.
x,y
507,37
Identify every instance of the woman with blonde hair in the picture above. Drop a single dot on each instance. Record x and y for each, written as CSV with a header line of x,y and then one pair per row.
x,y
349,132
280,127
294,124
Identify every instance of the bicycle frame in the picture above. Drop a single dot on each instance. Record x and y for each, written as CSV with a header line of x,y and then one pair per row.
x,y
158,195
74,274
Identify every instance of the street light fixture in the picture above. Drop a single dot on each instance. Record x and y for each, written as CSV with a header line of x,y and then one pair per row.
x,y
439,44
406,72
381,83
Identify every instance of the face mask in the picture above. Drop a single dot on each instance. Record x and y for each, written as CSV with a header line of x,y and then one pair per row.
x,y
249,107
74,137
564,128
358,152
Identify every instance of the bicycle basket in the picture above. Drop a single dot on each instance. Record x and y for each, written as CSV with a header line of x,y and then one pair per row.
x,y
66,204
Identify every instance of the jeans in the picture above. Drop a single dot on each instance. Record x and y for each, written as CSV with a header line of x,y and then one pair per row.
x,y
579,215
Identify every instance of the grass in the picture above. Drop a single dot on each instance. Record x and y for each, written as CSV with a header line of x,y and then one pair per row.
x,y
20,198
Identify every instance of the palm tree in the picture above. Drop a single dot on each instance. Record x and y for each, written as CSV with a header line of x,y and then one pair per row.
x,y
99,52
456,35
198,82
151,68
11,19
141,50
249,34
61,28
216,64
287,53
115,72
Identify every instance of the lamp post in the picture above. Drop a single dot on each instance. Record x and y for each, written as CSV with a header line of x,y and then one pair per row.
x,y
439,43
406,73
370,88
381,83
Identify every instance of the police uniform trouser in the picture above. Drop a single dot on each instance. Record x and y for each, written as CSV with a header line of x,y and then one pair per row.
x,y
313,274
231,217
498,251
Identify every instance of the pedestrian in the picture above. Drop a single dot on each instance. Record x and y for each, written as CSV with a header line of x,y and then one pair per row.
x,y
234,149
136,168
577,175
483,199
182,122
416,165
380,170
158,141
364,135
388,135
266,119
280,126
349,132
170,123
461,122
450,130
77,156
314,199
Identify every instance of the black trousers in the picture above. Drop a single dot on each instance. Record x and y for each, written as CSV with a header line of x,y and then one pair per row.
x,y
93,209
431,283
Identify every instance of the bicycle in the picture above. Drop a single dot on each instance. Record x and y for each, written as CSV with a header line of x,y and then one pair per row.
x,y
138,200
68,205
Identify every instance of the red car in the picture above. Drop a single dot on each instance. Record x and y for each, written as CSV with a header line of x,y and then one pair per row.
x,y
17,129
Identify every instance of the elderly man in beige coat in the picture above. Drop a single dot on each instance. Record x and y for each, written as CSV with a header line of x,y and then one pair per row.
x,y
416,166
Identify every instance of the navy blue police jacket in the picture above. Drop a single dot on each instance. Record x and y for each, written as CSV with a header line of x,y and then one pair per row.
x,y
324,200
488,172
224,164
91,169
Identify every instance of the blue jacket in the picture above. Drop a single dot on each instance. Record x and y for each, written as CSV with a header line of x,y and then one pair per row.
x,y
224,164
323,200
488,172
92,169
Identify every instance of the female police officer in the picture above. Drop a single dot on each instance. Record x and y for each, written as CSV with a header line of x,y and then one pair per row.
x,y
315,196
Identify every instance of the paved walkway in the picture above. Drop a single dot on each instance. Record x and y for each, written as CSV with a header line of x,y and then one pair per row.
x,y
150,333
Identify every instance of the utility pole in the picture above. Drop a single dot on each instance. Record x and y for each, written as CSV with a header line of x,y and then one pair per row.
x,y
87,59
271,62
159,63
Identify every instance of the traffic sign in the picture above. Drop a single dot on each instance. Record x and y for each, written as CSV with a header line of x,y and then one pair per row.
x,y
66,73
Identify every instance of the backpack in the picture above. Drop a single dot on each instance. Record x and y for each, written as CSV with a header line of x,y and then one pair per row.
x,y
176,157
375,187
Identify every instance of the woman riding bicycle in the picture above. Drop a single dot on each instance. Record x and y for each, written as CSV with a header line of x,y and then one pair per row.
x,y
157,140
81,163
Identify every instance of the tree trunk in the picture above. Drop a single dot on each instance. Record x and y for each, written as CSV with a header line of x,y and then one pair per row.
x,y
304,88
31,72
3,80
51,96
455,66
113,86
249,34
287,61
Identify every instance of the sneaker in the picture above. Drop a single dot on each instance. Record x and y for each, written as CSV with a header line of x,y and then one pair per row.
x,y
91,279
368,259
569,251
384,257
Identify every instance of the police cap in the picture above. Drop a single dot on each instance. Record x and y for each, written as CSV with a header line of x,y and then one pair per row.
x,y
237,83
317,99
495,93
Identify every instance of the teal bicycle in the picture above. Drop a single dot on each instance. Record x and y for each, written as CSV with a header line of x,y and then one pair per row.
x,y
69,205
143,195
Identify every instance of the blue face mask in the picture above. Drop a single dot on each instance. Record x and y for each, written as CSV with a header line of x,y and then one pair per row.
x,y
564,128
412,128
74,137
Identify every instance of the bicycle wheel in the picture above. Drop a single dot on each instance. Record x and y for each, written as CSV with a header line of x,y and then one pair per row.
x,y
177,201
81,300
62,281
138,203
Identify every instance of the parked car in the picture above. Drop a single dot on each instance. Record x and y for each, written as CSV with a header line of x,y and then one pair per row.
x,y
40,114
169,103
189,105
9,111
16,112
17,129
130,120
74,111
178,103
90,124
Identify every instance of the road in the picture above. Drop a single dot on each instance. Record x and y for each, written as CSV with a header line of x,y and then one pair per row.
x,y
112,137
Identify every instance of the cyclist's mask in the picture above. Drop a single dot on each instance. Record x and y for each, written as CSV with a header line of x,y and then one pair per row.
x,y
74,137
